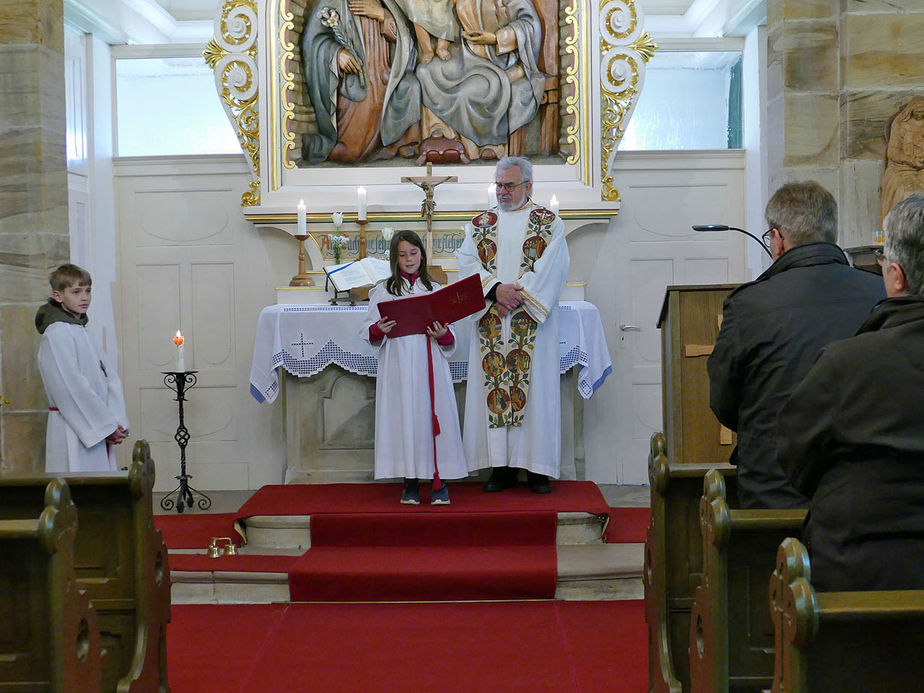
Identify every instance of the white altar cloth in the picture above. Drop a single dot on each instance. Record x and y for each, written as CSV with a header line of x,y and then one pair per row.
x,y
306,339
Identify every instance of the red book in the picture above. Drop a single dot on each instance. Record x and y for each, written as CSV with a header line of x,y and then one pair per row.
x,y
414,314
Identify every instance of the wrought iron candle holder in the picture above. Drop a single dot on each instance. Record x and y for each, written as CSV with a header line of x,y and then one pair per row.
x,y
184,495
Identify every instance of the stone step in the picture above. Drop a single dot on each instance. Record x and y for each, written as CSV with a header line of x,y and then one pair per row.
x,y
585,572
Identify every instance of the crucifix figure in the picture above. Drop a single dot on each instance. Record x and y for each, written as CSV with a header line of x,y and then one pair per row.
x,y
428,184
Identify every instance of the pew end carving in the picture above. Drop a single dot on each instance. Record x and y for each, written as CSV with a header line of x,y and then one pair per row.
x,y
731,631
120,560
50,633
850,642
673,562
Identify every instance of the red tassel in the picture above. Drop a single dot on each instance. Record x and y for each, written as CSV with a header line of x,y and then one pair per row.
x,y
436,425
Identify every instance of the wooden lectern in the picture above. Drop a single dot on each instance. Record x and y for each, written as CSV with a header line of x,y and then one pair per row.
x,y
689,323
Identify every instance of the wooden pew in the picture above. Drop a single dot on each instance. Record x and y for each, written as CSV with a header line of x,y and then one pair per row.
x,y
850,642
49,638
673,563
731,632
121,562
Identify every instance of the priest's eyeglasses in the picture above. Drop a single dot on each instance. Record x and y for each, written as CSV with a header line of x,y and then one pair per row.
x,y
510,187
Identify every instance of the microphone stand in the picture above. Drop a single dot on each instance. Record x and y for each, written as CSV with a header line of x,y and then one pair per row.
x,y
723,227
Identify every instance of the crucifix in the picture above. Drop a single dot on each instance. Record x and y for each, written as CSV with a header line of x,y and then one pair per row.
x,y
428,184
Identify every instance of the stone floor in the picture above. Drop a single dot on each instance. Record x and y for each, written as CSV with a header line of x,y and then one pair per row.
x,y
617,495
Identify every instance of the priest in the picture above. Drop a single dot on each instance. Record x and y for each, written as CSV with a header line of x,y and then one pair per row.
x,y
512,405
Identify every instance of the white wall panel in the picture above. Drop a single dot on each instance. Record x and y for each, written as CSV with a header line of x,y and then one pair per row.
x,y
183,217
214,315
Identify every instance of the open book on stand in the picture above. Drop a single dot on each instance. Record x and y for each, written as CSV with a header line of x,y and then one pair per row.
x,y
413,315
351,275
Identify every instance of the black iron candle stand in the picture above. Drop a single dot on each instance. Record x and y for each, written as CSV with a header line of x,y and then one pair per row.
x,y
184,495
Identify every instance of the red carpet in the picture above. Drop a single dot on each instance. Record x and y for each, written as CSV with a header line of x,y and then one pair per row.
x,y
555,647
247,563
311,499
428,557
196,531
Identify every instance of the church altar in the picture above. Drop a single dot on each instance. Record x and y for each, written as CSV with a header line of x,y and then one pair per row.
x,y
329,393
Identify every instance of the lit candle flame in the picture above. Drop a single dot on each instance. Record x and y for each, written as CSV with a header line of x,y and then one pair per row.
x,y
178,340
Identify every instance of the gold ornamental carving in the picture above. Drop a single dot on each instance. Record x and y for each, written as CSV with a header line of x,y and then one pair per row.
x,y
625,49
232,55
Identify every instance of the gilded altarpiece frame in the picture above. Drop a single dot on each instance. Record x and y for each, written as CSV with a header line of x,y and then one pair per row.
x,y
257,66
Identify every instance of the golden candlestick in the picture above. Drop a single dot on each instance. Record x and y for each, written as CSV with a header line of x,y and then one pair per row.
x,y
362,237
302,278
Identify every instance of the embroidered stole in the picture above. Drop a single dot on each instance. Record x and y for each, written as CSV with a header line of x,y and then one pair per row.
x,y
506,367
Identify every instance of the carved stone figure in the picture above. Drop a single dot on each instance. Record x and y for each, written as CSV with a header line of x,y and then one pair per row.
x,y
904,159
359,58
377,91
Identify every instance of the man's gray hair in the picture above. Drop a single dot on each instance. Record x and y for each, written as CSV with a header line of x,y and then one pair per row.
x,y
904,240
526,168
804,213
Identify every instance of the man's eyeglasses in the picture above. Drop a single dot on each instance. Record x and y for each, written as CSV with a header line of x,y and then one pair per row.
x,y
509,187
768,235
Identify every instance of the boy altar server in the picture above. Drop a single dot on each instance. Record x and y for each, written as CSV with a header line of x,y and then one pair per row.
x,y
87,407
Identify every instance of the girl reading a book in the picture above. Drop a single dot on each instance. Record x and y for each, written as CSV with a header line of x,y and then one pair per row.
x,y
416,421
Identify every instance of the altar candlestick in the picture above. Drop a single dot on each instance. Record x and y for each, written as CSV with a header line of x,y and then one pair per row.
x,y
361,203
302,218
553,205
492,195
180,360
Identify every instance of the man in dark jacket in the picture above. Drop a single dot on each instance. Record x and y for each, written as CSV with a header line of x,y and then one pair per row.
x,y
773,328
852,437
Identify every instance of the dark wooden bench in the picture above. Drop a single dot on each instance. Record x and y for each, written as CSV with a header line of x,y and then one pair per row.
x,y
731,631
121,562
673,563
49,638
849,642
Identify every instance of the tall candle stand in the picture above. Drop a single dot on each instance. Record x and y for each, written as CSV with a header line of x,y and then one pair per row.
x,y
184,495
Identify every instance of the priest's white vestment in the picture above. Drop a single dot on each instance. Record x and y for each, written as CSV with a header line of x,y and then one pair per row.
x,y
515,239
86,395
403,430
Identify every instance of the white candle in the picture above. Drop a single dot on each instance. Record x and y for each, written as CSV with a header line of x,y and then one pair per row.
x,y
361,203
302,218
492,195
553,205
180,360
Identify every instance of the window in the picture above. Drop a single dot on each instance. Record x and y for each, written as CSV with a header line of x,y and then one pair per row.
x,y
690,100
169,106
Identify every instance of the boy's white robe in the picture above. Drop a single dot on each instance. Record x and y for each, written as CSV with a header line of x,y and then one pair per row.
x,y
536,445
90,403
403,431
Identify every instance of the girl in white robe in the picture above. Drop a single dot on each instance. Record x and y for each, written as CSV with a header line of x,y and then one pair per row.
x,y
404,437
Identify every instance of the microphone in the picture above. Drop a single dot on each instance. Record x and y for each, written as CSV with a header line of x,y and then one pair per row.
x,y
724,227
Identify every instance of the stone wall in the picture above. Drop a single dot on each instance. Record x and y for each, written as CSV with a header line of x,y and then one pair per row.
x,y
33,212
837,70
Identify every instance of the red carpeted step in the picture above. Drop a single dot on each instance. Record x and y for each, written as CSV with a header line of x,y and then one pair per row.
x,y
424,573
194,531
311,499
433,529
